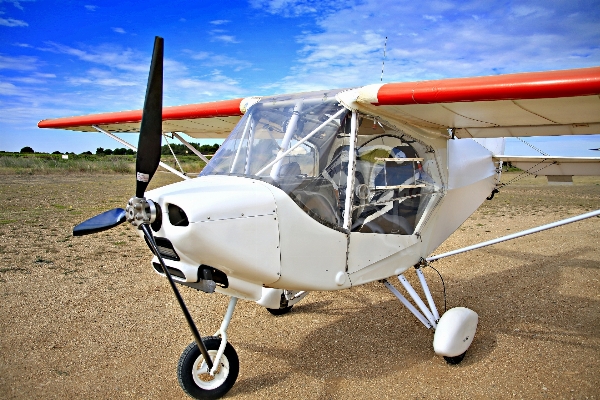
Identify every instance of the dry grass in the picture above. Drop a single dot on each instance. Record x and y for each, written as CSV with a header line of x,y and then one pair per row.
x,y
46,164
87,318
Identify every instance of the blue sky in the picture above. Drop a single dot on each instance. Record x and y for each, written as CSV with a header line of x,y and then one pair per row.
x,y
64,58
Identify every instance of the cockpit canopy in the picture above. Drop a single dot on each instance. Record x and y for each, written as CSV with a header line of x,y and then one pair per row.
x,y
300,143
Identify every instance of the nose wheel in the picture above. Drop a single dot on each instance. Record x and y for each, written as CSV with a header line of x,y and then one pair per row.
x,y
195,378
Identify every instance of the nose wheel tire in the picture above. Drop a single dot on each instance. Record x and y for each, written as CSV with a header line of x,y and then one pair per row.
x,y
192,371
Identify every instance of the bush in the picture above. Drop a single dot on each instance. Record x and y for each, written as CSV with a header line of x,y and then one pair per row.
x,y
181,149
27,149
121,152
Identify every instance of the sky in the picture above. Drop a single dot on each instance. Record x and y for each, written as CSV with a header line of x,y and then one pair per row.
x,y
63,58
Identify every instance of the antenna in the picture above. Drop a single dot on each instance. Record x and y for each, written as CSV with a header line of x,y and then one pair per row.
x,y
383,62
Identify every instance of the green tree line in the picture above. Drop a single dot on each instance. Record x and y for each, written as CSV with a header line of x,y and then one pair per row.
x,y
178,149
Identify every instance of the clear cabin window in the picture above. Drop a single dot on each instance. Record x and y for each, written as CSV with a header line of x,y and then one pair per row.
x,y
391,187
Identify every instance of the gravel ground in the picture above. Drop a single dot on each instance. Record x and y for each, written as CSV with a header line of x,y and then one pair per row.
x,y
87,317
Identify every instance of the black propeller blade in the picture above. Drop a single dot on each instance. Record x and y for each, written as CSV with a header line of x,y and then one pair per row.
x,y
101,222
148,152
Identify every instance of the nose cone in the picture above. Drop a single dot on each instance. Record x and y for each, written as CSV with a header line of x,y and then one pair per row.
x,y
232,226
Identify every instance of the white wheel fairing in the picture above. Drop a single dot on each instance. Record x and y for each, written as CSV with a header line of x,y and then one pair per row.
x,y
201,375
455,331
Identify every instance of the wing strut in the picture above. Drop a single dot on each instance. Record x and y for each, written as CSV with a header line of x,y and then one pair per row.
x,y
516,235
132,147
189,146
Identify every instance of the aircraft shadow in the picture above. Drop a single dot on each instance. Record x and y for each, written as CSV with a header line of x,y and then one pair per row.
x,y
384,337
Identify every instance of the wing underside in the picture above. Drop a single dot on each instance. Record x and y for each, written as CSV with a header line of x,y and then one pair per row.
x,y
507,118
554,166
213,120
549,103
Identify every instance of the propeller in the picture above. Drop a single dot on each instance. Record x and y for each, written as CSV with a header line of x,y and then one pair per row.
x,y
141,212
148,153
106,220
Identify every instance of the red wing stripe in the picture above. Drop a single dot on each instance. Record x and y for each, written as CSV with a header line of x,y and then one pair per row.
x,y
226,108
529,85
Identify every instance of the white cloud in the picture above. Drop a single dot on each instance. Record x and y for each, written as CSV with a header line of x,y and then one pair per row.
x,y
225,38
90,7
346,48
43,75
295,8
101,79
111,56
18,63
220,21
218,60
208,87
104,78
432,18
119,30
525,10
33,79
110,82
16,3
8,89
11,22
218,35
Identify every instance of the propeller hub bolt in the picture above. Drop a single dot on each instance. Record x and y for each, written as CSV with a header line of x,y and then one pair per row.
x,y
140,211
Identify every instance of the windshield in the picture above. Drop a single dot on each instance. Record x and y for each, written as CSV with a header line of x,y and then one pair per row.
x,y
295,142
301,144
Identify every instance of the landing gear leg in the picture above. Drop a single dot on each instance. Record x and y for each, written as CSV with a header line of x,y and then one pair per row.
x,y
280,301
454,331
193,373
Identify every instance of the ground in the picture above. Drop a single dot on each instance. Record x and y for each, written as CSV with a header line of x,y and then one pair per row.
x,y
88,318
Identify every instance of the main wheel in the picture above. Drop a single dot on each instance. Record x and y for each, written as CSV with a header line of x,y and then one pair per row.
x,y
191,370
456,359
280,311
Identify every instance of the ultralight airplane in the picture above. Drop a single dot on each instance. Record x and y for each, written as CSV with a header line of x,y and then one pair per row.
x,y
332,189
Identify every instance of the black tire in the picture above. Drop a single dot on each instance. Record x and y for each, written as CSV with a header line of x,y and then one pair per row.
x,y
456,359
204,387
280,311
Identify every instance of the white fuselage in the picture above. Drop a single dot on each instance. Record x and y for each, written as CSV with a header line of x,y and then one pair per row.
x,y
306,194
259,237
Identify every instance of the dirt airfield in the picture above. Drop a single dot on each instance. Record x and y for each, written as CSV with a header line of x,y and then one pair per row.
x,y
87,317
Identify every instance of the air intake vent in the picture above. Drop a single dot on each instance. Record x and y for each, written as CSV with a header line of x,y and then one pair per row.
x,y
165,248
177,216
172,271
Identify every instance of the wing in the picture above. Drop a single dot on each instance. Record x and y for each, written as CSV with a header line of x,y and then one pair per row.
x,y
555,166
204,120
527,104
